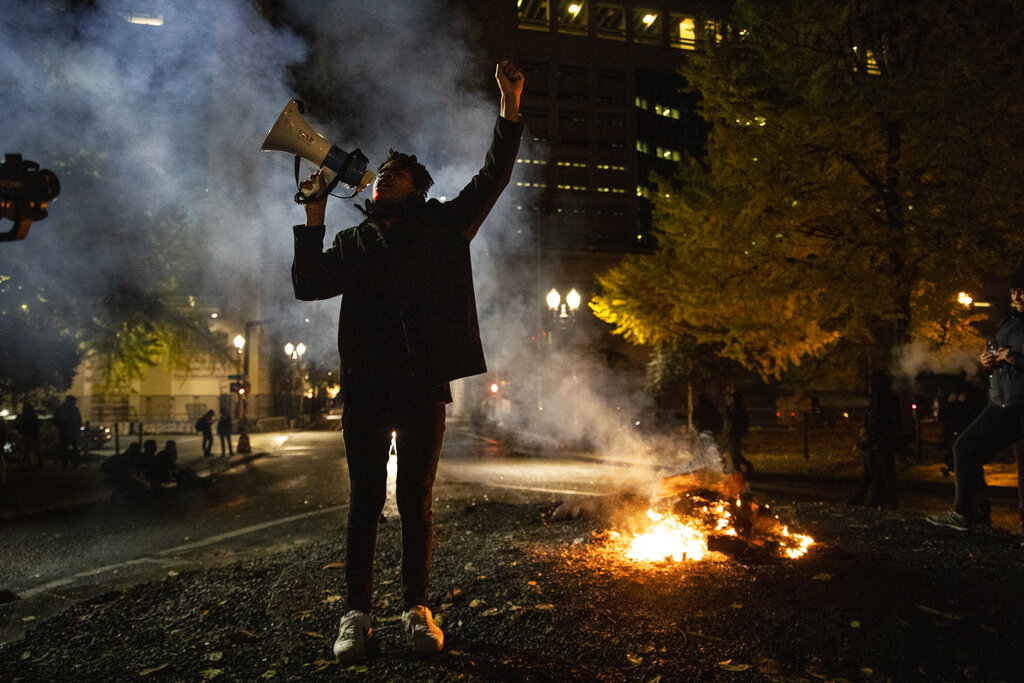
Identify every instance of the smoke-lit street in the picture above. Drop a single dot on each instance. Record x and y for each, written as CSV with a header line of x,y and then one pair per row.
x,y
294,494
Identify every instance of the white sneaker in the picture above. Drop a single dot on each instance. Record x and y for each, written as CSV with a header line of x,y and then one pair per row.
x,y
427,638
350,645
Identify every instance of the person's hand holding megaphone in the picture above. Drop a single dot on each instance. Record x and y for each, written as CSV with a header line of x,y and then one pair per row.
x,y
315,187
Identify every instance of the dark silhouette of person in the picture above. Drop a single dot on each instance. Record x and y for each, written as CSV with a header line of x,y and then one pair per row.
x,y
706,417
408,326
737,425
204,426
881,439
69,428
123,472
224,432
27,426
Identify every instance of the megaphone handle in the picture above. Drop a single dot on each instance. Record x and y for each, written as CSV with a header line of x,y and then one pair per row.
x,y
303,198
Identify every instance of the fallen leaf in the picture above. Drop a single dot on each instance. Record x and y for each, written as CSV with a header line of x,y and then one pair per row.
x,y
26,655
331,599
172,573
636,661
867,671
854,624
312,634
334,565
268,674
656,679
822,577
490,612
476,603
214,656
28,618
210,674
734,667
322,664
545,606
737,605
154,669
929,610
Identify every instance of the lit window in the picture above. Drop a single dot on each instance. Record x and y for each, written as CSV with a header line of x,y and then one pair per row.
x,y
646,25
641,103
683,35
572,17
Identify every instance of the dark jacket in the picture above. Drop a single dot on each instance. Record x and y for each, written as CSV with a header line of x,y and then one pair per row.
x,y
408,311
1006,386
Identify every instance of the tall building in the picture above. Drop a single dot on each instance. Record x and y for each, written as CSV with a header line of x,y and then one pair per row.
x,y
604,108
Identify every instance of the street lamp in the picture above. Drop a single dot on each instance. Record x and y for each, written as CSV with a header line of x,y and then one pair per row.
x,y
239,342
563,309
295,351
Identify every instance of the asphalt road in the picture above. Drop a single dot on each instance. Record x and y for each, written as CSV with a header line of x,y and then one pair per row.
x,y
295,494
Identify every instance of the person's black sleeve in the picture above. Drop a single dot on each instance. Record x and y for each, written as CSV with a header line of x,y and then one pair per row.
x,y
467,212
316,274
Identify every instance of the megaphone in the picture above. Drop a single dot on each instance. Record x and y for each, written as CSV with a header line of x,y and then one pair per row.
x,y
291,133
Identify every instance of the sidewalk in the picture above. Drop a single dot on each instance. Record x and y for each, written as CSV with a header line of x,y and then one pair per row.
x,y
33,490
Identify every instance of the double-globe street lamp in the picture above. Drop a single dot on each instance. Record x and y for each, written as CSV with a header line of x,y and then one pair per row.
x,y
295,351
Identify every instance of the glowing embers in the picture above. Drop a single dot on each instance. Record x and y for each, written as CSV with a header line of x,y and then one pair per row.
x,y
697,517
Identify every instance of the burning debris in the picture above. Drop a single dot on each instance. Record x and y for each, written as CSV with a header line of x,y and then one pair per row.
x,y
694,516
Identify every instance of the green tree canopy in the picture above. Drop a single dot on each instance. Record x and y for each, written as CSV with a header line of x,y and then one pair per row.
x,y
861,170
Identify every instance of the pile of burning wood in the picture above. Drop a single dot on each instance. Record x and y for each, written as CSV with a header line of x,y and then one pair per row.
x,y
694,516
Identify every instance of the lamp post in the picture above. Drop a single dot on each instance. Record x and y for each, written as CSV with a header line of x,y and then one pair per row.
x,y
295,351
239,342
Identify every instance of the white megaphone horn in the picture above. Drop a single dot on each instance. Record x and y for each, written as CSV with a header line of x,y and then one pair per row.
x,y
291,133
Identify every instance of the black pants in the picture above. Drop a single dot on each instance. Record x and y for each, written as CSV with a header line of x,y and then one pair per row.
x,y
993,430
419,428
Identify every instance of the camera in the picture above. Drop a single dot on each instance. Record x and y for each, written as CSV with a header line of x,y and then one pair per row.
x,y
24,192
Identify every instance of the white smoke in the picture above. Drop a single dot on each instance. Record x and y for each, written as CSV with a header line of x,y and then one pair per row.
x,y
143,121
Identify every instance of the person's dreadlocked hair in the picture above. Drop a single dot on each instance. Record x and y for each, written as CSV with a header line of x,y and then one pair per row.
x,y
421,179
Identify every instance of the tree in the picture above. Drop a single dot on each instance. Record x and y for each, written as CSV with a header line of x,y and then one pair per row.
x,y
860,171
37,350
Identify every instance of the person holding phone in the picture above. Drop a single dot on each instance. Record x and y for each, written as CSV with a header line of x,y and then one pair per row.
x,y
998,426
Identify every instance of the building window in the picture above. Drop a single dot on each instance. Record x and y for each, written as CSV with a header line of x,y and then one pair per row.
x,y
610,20
571,164
572,17
538,72
641,103
533,14
572,82
536,125
572,128
682,33
611,132
646,26
642,147
612,87
667,112
668,154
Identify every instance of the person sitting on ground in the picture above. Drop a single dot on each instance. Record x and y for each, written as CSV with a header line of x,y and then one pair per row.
x,y
182,476
121,471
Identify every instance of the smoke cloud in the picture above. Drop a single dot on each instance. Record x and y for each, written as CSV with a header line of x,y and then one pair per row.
x,y
150,125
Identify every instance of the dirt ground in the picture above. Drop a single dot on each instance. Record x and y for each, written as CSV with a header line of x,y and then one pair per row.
x,y
523,597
